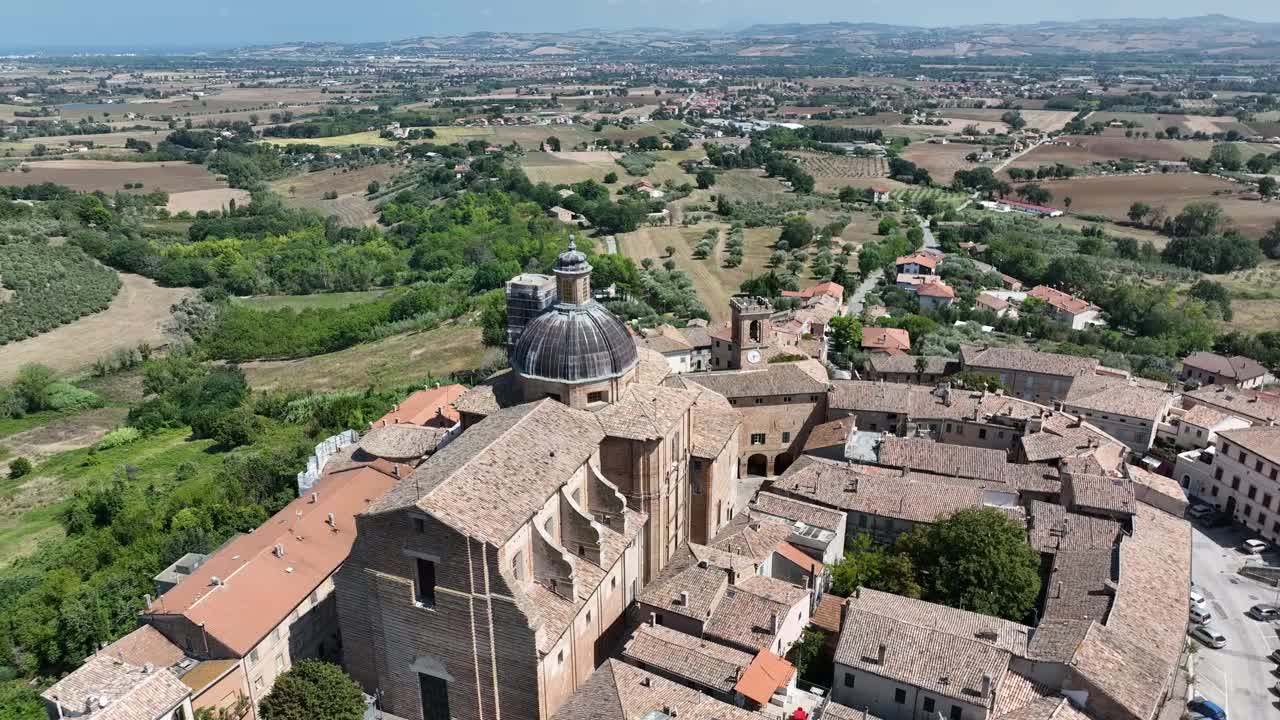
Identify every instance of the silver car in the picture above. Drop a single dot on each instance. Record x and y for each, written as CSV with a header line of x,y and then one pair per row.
x,y
1209,636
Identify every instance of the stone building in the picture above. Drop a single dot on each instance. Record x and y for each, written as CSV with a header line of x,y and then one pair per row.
x,y
1240,475
1030,375
749,339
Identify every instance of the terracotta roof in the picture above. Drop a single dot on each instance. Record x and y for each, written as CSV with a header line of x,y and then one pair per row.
x,y
1237,367
496,392
129,691
145,645
652,367
744,619
1150,487
906,364
645,412
935,289
1059,300
1114,396
664,339
1056,640
752,536
708,664
1205,417
799,558
829,614
998,633
521,454
1261,441
799,378
926,403
1052,528
830,434
891,339
793,510
764,676
917,258
1063,437
402,442
985,464
1080,585
991,301
1100,493
936,662
830,289
432,406
836,711
1026,361
704,586
1252,405
257,589
618,691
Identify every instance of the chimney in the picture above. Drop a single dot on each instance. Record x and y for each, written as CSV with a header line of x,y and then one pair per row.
x,y
146,600
684,598
644,681
215,580
315,497
653,619
329,520
773,623
278,550
880,651
733,576
857,591
986,685
148,668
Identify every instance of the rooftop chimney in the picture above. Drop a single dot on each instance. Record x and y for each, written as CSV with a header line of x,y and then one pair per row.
x,y
880,651
215,580
146,599
315,497
733,576
653,619
684,598
330,521
278,550
773,623
986,685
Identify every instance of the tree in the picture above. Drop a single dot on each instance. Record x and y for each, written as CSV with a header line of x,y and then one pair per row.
x,y
670,250
1227,156
1259,163
1267,186
1200,219
374,187
1014,119
313,690
19,701
978,559
806,650
20,467
1035,194
1066,201
1214,294
796,232
846,334
610,178
868,565
1138,211
552,143
1271,242
705,178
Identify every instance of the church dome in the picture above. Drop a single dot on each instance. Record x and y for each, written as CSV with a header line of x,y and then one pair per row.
x,y
574,344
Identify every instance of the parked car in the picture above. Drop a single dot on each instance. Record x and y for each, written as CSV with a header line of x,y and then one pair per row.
x,y
1253,547
1265,612
1200,616
1197,600
1206,709
1200,512
1209,636
1275,656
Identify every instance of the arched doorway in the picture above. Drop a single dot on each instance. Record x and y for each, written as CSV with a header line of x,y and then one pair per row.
x,y
1186,481
781,463
758,465
1231,507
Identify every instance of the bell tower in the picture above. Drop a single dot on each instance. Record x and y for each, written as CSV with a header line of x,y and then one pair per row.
x,y
573,276
751,329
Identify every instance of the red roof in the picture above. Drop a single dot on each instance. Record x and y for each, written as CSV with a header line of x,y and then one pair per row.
x,y
886,339
1065,302
433,406
919,258
835,290
762,678
935,289
1028,206
799,558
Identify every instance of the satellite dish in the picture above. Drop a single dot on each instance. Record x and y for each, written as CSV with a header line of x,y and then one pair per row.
x,y
753,356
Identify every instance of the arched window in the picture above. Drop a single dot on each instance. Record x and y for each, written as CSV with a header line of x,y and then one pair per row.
x,y
753,331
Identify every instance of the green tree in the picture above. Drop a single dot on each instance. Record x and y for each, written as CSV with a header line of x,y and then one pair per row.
x,y
796,232
493,317
1271,242
868,565
1267,186
236,428
1200,219
705,178
846,334
1227,155
19,701
805,651
313,690
1138,211
374,187
19,467
552,143
978,559
610,178
1260,163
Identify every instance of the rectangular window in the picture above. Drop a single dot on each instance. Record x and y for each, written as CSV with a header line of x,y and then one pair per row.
x,y
948,427
1257,466
517,565
595,397
1252,492
848,679
982,433
759,401
1217,473
956,712
1274,473
425,589
1266,499
786,437
419,525
899,695
253,657
757,438
927,705
1241,456
1235,482
1248,510
435,697
1214,490
279,663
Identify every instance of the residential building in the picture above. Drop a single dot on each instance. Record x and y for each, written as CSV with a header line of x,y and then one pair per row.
x,y
830,289
618,691
265,599
917,264
1036,376
817,531
107,688
902,368
1207,368
930,290
996,304
880,341
1257,407
1124,409
1068,309
1199,426
1239,475
673,345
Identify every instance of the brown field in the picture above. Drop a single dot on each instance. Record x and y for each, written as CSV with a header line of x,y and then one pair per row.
x,y
193,201
1085,149
833,172
137,314
747,185
570,167
352,206
398,360
1186,123
103,140
942,161
713,282
1112,196
1046,120
108,176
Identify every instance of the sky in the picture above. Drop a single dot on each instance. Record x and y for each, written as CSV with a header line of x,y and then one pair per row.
x,y
38,24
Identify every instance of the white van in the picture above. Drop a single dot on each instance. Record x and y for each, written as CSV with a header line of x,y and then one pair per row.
x,y
1200,615
1197,600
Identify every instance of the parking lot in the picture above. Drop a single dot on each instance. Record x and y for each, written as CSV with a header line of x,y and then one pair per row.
x,y
1240,676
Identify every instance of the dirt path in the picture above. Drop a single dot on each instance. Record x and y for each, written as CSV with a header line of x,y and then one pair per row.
x,y
137,314
61,435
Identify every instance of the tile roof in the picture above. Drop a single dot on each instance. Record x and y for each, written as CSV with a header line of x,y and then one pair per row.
x,y
937,662
706,586
402,441
830,434
798,510
1261,441
664,339
257,589
806,377
645,412
145,645
991,301
836,711
1204,416
829,614
779,591
1059,300
764,676
496,392
921,402
130,692
1115,396
889,339
1235,366
1248,404
917,258
998,633
1026,361
432,406
894,494
1149,487
898,364
618,691
935,289
708,664
914,453
652,367
697,336
1081,585
1056,640
744,619
800,558
521,454
1100,492
1052,527
1063,436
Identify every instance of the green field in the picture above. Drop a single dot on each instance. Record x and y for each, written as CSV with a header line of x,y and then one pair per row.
x,y
531,136
939,195
362,138
323,301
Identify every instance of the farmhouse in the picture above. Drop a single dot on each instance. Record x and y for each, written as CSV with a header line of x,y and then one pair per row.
x,y
917,264
886,341
1068,309
1207,368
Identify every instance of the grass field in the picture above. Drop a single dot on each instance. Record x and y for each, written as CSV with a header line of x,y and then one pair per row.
x,y
352,206
747,185
1100,148
939,195
942,161
833,172
110,177
193,201
397,360
1152,122
531,137
569,167
370,137
137,314
320,301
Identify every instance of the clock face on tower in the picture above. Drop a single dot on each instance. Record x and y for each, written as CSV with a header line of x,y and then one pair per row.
x,y
753,356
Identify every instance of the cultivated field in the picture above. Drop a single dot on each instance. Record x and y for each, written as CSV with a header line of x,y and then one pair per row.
x,y
323,301
747,185
1046,120
942,161
193,201
1111,196
361,138
912,194
1085,149
570,167
397,360
530,137
714,283
1152,122
352,206
108,176
137,314
833,172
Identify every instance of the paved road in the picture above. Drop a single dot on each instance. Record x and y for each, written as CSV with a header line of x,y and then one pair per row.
x,y
1239,677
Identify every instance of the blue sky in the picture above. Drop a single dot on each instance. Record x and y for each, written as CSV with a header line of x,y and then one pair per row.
x,y
39,23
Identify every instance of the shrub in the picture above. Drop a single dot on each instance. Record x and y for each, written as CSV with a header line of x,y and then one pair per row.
x,y
65,397
118,438
19,467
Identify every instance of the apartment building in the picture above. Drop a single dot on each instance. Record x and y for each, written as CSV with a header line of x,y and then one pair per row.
x,y
1239,475
1039,377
